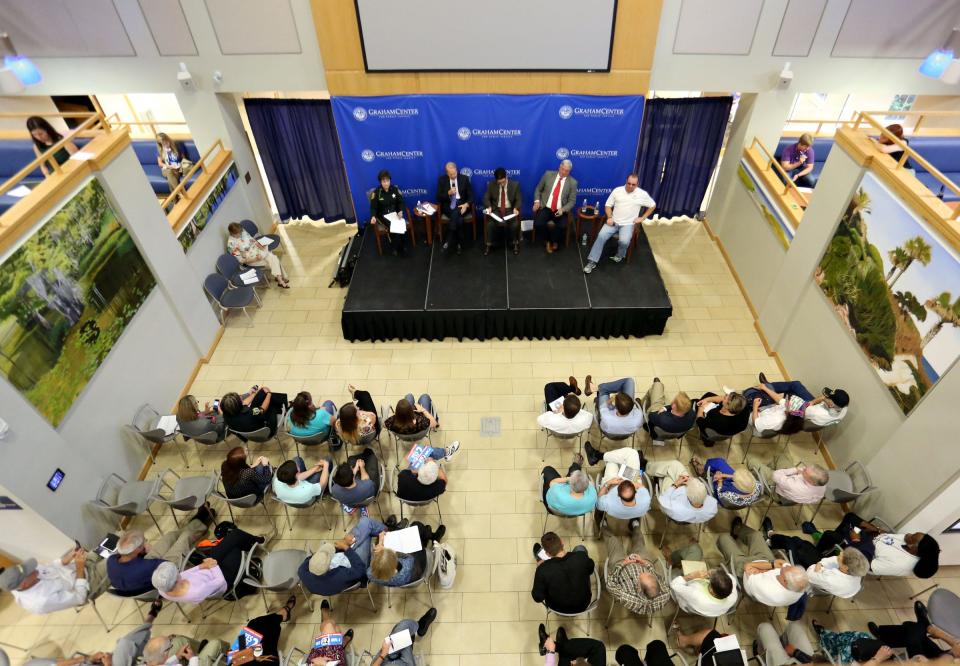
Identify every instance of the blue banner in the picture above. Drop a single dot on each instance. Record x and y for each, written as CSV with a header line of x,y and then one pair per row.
x,y
414,136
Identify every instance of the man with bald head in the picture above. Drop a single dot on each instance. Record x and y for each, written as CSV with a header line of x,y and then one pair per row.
x,y
631,578
554,197
173,650
454,196
770,581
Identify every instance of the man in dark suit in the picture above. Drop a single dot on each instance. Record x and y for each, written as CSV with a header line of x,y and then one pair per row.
x,y
454,196
502,198
554,197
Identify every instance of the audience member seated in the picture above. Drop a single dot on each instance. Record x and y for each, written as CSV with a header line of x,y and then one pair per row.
x,y
885,145
173,650
251,252
709,592
889,554
803,484
656,655
631,577
766,579
132,566
193,423
797,160
561,650
784,415
358,480
726,415
64,583
851,647
918,637
569,417
617,410
404,656
790,647
260,408
733,487
392,569
784,406
44,137
240,479
295,484
337,566
332,652
172,160
677,417
829,409
423,484
701,642
127,651
358,419
305,420
570,495
211,578
562,579
411,417
685,499
632,499
840,575
269,627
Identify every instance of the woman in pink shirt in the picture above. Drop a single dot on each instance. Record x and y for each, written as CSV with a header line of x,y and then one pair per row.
x,y
213,577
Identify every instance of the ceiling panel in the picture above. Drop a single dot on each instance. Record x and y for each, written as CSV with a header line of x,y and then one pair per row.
x,y
895,28
169,27
717,27
799,27
65,28
254,26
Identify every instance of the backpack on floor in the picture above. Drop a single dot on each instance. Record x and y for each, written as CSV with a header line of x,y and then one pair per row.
x,y
446,559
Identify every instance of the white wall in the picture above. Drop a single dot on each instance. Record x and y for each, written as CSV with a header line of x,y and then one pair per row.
x,y
46,542
757,71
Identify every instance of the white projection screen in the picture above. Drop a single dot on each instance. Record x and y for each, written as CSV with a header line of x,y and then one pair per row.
x,y
489,35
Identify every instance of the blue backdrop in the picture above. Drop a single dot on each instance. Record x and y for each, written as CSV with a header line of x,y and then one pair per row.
x,y
413,136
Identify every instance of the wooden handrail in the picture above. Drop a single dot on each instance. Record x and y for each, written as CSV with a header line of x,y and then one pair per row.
x,y
70,114
181,187
90,123
908,153
920,116
771,160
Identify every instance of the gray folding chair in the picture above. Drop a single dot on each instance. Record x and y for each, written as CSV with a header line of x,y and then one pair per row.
x,y
656,433
190,493
260,436
128,498
766,435
845,486
279,572
245,502
559,436
144,427
228,299
594,602
550,512
712,436
394,484
413,438
311,441
428,570
207,439
251,228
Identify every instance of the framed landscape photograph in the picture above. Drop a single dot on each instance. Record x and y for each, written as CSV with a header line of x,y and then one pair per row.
x,y
67,292
895,284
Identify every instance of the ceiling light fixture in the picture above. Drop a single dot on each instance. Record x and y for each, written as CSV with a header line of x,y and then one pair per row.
x,y
21,66
935,64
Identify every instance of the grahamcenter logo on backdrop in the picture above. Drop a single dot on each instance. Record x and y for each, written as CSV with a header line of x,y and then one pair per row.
x,y
414,192
464,133
566,112
370,155
361,114
591,191
564,153
486,172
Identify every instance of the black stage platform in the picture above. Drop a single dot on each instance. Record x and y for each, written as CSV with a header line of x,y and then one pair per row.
x,y
430,295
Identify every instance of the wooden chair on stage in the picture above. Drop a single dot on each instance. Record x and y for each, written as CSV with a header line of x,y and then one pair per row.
x,y
469,217
380,232
602,220
566,240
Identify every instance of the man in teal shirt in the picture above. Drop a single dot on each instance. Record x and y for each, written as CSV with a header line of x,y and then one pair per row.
x,y
572,495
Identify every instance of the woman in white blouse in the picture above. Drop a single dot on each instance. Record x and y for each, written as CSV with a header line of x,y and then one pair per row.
x,y
252,253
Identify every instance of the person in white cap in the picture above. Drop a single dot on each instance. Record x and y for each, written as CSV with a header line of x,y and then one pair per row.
x,y
64,583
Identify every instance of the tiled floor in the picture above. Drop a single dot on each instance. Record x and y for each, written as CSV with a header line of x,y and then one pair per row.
x,y
492,511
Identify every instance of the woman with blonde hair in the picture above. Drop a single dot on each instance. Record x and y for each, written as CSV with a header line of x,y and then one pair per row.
x,y
389,568
732,487
358,418
251,252
172,159
194,423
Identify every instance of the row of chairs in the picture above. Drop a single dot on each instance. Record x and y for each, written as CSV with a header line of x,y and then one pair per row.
x,y
227,288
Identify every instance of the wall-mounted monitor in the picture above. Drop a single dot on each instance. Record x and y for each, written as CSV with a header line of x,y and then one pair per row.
x,y
490,36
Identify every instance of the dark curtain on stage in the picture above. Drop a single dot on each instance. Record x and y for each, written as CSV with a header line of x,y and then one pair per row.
x,y
679,145
300,151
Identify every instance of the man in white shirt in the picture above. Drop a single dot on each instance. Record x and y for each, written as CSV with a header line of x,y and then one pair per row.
x,y
173,650
709,593
564,414
47,588
767,580
686,499
840,575
623,214
826,410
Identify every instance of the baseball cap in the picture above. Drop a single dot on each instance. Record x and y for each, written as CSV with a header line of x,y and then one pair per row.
x,y
839,397
13,576
320,562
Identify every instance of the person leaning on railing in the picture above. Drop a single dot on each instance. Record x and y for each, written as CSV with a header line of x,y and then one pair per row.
x,y
886,145
44,137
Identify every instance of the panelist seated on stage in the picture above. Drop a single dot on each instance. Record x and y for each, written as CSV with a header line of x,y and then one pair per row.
x,y
502,199
554,197
623,214
385,200
454,196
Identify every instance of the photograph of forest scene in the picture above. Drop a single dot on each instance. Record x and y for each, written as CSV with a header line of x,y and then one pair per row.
x,y
66,295
896,286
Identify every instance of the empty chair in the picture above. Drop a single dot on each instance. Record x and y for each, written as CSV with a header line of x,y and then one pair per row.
x,y
594,602
228,299
128,498
712,436
259,436
766,435
244,502
207,439
278,571
251,228
845,485
230,267
189,493
145,426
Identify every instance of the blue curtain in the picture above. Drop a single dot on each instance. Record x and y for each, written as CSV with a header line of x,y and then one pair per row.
x,y
300,151
679,145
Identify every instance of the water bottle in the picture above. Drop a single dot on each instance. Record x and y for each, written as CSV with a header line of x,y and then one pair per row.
x,y
418,209
584,205
583,241
596,207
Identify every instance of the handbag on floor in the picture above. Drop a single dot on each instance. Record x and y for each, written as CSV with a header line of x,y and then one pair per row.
x,y
446,559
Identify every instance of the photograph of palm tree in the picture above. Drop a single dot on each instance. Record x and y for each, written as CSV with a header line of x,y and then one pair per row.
x,y
66,295
895,284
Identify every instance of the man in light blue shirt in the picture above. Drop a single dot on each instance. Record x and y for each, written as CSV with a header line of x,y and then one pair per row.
x,y
294,484
617,410
631,499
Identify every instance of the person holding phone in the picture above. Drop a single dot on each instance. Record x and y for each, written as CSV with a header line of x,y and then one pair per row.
x,y
797,160
260,408
192,422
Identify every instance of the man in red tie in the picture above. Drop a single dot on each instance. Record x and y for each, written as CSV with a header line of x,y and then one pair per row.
x,y
502,199
554,197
